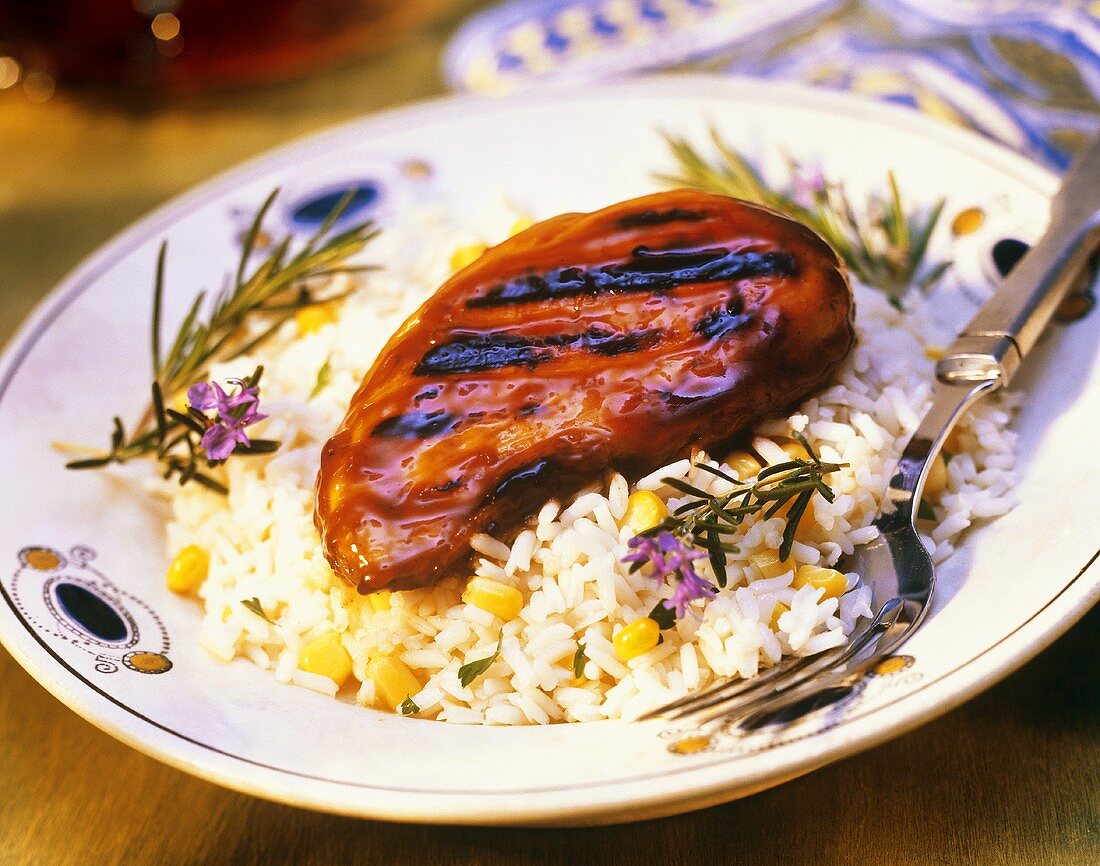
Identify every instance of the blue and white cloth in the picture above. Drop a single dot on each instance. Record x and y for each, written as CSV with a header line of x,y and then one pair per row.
x,y
1025,72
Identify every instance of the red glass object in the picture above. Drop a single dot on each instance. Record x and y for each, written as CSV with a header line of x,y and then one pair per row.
x,y
186,44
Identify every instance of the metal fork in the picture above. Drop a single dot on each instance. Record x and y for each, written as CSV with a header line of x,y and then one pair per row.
x,y
899,570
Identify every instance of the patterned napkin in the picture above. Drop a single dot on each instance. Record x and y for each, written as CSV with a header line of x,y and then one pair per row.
x,y
1024,72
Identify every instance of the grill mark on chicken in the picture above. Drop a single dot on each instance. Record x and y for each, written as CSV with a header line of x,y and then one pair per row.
x,y
661,217
644,271
415,425
618,339
718,324
479,352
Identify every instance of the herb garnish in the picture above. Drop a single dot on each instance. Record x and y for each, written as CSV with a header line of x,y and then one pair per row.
x,y
242,316
885,246
704,520
472,670
324,376
579,661
700,524
665,617
408,707
253,604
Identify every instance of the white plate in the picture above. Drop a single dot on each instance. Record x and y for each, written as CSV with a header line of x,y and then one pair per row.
x,y
1014,586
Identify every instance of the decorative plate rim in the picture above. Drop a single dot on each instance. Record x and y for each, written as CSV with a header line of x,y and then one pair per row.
x,y
668,791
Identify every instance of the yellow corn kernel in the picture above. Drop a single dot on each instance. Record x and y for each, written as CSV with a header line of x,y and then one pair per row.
x,y
767,563
936,481
795,450
967,222
644,510
493,596
777,612
832,581
325,655
520,225
639,637
743,464
690,745
380,600
934,353
953,443
189,569
311,319
393,680
467,255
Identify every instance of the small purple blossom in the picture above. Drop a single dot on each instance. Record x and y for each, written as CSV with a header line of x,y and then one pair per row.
x,y
671,560
808,185
232,413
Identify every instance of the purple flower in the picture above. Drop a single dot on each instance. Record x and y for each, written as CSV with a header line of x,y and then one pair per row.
x,y
232,413
807,186
671,560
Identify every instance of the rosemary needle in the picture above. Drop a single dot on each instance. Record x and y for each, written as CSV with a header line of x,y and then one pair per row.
x,y
705,519
255,303
886,247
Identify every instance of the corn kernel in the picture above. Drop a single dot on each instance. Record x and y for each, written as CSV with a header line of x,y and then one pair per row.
x,y
311,319
832,581
493,596
934,353
466,256
795,450
690,745
777,612
520,225
325,655
936,481
644,510
953,443
743,464
783,509
393,680
640,636
767,563
379,601
189,569
967,222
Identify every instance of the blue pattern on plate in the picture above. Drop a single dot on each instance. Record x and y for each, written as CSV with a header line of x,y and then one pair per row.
x,y
310,211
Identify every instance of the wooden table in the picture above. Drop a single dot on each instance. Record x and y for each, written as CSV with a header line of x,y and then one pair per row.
x,y
1012,777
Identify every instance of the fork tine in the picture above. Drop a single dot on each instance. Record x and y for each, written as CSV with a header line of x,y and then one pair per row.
x,y
726,697
740,705
759,714
692,702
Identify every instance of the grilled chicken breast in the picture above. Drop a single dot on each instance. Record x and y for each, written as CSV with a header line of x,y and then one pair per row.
x,y
619,338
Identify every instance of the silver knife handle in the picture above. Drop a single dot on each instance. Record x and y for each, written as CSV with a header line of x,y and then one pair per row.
x,y
1009,324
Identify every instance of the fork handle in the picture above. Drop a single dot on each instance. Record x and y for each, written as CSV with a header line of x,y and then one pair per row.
x,y
1007,327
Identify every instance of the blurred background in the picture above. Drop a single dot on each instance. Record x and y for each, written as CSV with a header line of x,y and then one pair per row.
x,y
110,107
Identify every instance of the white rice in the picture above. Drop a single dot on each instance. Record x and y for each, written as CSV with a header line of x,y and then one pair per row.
x,y
567,561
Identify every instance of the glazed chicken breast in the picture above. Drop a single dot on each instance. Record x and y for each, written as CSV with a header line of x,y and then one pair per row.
x,y
616,339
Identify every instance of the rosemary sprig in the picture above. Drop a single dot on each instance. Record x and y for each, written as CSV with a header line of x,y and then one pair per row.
x,y
706,521
242,316
884,244
277,288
